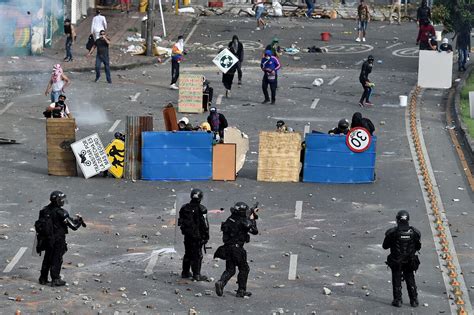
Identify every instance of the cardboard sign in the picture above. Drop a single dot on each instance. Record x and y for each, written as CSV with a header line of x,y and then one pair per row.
x,y
116,154
225,60
435,77
190,93
90,155
279,157
223,161
234,135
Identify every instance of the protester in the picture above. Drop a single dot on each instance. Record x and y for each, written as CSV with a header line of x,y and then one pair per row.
x,y
359,121
176,57
364,80
342,128
446,46
433,43
125,4
259,8
270,66
184,125
58,109
275,48
208,93
237,48
228,79
423,14
70,33
57,83
396,5
463,45
363,18
310,8
102,45
425,33
217,121
99,23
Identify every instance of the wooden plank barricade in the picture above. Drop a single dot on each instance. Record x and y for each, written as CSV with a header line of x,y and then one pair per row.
x,y
223,161
279,157
60,133
134,127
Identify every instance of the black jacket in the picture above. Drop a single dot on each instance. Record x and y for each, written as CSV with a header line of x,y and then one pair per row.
x,y
193,221
365,71
359,121
403,242
239,53
236,228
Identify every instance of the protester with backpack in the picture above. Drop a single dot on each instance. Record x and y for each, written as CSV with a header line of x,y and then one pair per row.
x,y
51,229
195,228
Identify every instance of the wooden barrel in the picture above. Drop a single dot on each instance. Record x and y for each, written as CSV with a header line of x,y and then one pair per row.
x,y
60,133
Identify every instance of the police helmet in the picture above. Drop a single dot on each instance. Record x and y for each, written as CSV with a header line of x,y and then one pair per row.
x,y
196,194
241,208
370,58
58,198
343,124
403,216
280,123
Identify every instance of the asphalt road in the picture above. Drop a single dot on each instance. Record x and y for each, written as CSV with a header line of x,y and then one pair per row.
x,y
114,266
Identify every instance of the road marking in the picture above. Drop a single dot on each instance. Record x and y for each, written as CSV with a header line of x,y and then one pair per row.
x,y
116,123
293,265
15,259
219,99
394,45
359,62
441,210
314,103
306,129
298,209
6,108
390,105
334,80
134,98
383,26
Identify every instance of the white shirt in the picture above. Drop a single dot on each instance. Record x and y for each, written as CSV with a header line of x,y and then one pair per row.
x,y
98,24
64,113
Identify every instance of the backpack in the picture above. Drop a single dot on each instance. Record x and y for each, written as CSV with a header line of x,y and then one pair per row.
x,y
44,229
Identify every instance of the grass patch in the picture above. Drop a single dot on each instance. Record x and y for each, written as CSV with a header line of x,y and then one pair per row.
x,y
468,87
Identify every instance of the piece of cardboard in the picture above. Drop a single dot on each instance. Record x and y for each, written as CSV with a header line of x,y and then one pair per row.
x,y
190,93
234,135
170,119
435,69
279,157
223,161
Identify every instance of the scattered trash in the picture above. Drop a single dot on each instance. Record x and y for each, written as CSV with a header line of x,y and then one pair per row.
x,y
186,10
318,82
455,199
326,291
324,67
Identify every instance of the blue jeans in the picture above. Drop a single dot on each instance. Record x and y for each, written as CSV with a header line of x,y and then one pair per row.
x,y
98,61
259,12
310,5
55,96
362,25
462,57
69,48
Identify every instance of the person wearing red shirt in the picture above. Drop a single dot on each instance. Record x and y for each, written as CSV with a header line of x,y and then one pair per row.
x,y
424,34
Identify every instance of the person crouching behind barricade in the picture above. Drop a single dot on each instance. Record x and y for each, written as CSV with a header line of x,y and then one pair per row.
x,y
58,109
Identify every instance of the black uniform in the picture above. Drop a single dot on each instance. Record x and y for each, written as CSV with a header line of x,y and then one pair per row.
x,y
55,246
235,234
195,228
364,78
237,48
403,241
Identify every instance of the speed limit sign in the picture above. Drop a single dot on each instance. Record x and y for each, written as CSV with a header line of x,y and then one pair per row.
x,y
358,139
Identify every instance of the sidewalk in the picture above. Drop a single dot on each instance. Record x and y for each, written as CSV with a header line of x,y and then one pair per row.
x,y
120,26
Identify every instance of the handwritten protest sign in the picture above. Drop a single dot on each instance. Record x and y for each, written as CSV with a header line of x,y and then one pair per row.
x,y
190,93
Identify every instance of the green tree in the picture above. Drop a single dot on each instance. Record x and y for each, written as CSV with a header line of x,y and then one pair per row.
x,y
453,14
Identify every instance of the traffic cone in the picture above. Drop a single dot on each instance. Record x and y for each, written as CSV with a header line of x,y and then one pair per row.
x,y
447,257
452,274
459,300
457,291
450,265
454,283
462,311
440,227
444,242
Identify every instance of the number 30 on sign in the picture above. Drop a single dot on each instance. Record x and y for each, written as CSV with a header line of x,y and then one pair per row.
x,y
358,139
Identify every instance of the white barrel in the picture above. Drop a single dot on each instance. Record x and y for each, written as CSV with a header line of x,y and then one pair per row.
x,y
403,100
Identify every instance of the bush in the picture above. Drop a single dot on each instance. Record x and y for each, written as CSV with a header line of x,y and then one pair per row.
x,y
468,87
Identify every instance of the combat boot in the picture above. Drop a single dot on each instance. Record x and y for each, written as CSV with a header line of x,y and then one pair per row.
x,y
397,297
219,288
43,281
242,293
413,296
58,283
199,278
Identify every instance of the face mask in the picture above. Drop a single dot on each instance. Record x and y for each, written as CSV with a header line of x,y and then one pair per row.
x,y
61,102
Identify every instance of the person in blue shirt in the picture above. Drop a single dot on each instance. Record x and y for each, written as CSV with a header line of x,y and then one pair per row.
x,y
270,66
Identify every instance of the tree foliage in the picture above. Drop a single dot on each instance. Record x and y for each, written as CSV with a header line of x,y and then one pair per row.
x,y
453,14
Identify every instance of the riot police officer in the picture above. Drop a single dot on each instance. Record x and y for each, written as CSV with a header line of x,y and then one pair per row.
x,y
235,234
195,228
51,228
403,241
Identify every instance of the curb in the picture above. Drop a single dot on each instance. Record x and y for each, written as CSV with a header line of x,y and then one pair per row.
x,y
467,141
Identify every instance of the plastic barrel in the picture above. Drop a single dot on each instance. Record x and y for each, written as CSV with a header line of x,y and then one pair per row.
x,y
403,100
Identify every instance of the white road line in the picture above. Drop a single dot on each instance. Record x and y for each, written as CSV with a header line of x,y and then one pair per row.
x,y
431,217
359,62
334,80
306,129
394,45
293,265
298,209
152,263
6,108
116,123
135,97
314,103
219,99
15,259
390,105
383,26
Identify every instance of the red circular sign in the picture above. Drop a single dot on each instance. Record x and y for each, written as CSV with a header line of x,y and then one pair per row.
x,y
358,139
